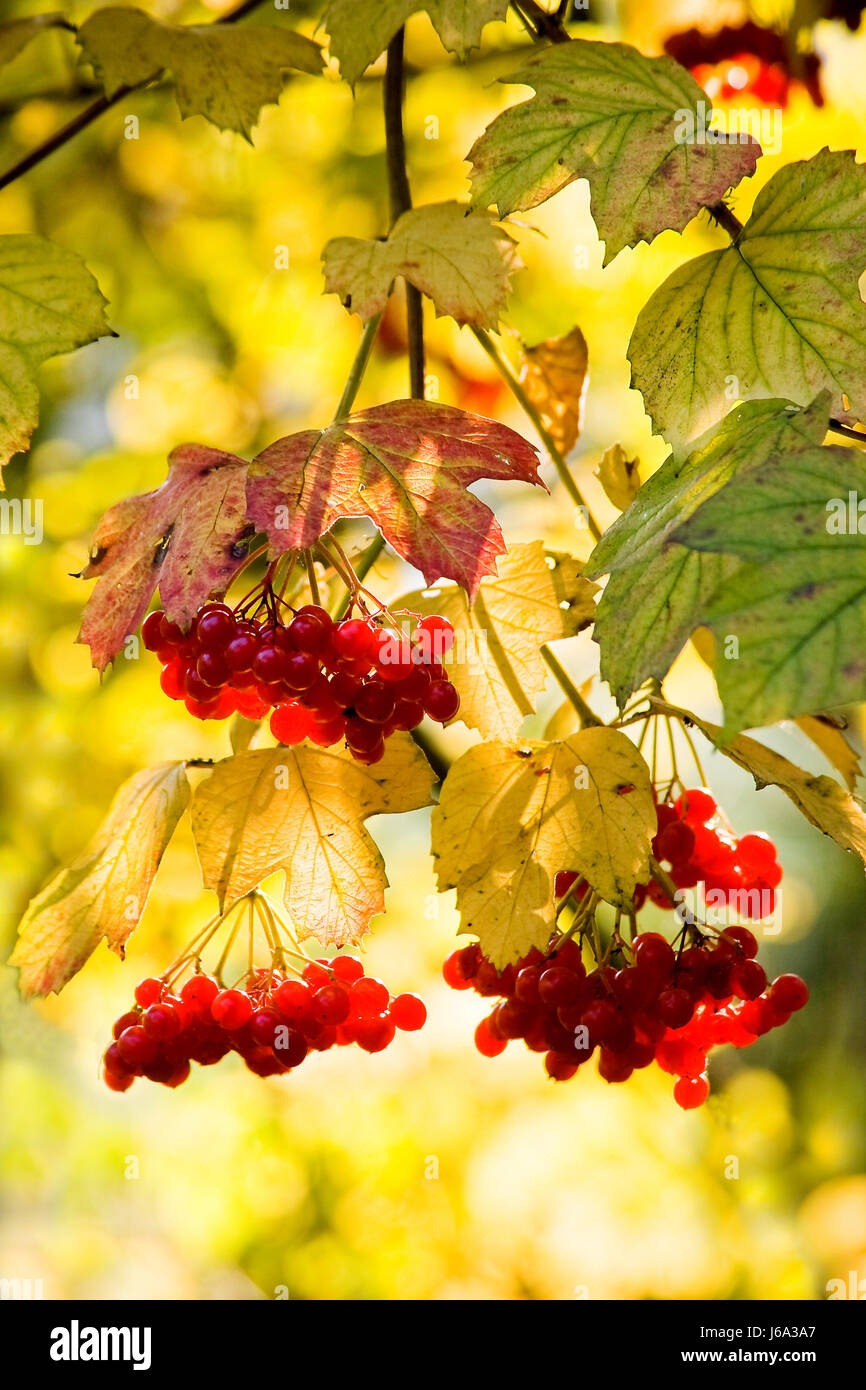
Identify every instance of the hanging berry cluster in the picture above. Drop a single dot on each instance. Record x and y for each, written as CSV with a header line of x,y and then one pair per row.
x,y
325,681
273,1019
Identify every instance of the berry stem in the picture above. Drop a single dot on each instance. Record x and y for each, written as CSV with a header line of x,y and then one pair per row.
x,y
311,576
588,718
359,366
361,569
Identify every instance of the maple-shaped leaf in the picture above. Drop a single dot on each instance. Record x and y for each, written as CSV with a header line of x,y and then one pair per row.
x,y
659,589
777,314
821,800
495,662
15,36
407,466
224,73
460,260
302,810
554,377
509,818
360,30
189,537
102,894
627,123
49,304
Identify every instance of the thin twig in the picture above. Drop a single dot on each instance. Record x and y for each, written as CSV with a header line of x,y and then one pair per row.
x,y
588,717
401,201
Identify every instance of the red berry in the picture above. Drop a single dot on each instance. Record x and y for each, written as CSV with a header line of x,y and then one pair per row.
x,y
742,938
756,853
614,1066
330,1004
301,670
270,664
231,1009
148,992
676,842
113,1062
695,806
354,640
486,1041
117,1083
307,633
558,985
290,723
788,993
654,954
675,1007
199,992
215,627
151,631
434,635
128,1020
212,669
560,1066
526,984
691,1091
347,968
441,701
374,1034
161,1022
749,979
172,680
293,998
374,701
136,1048
452,974
368,997
408,1012
290,1045
240,653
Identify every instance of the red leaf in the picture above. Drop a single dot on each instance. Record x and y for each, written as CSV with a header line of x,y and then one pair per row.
x,y
406,466
188,536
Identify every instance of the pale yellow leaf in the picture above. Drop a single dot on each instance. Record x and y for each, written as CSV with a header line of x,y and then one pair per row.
x,y
834,745
103,892
619,476
302,810
554,376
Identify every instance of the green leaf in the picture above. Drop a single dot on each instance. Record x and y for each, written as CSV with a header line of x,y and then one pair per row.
x,y
659,589
606,113
224,73
791,623
360,30
49,304
461,260
16,35
777,314
104,891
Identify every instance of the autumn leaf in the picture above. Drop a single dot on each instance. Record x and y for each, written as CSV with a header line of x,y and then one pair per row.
x,y
777,314
510,818
302,810
49,304
821,800
659,589
607,113
554,377
460,259
224,73
103,893
829,737
406,466
15,36
619,476
189,537
495,663
360,30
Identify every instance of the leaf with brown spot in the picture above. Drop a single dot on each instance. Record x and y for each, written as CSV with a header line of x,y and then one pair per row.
x,y
102,894
407,466
619,476
189,537
554,376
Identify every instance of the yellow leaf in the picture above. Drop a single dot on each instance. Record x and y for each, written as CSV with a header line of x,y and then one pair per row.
x,y
495,663
302,810
510,818
834,745
619,476
554,375
103,892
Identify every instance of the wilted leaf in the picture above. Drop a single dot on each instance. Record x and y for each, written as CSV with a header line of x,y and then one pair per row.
x,y
619,476
460,259
49,303
102,894
834,745
222,72
302,810
406,466
659,590
495,663
360,30
778,314
554,376
510,817
607,113
189,536
16,35
820,799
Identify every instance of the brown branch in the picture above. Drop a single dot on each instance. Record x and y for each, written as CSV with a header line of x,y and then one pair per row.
x,y
401,201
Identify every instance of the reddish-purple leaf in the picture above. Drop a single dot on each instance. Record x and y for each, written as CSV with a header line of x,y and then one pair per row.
x,y
406,466
189,537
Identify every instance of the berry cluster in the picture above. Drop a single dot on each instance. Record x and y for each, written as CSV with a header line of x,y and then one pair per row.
x,y
273,1023
323,680
666,1007
741,874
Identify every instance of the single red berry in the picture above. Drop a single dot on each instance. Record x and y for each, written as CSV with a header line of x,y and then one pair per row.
x,y
654,954
215,627
614,1067
560,1066
743,939
347,968
172,680
526,984
408,1012
231,1009
330,1004
696,806
434,635
270,664
756,853
375,701
674,1007
749,979
441,701
212,668
374,1034
691,1091
788,993
148,992
558,985
113,1061
290,1046
370,755
452,973
263,1026
117,1083
151,631
162,1022
563,881
368,996
317,973
676,842
127,1020
487,1042
198,993
293,998
136,1048
301,670
290,723
354,640
308,634
241,651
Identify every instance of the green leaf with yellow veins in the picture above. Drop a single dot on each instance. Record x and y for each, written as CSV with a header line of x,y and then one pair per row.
x,y
15,36
495,662
102,894
509,818
302,811
606,113
658,589
460,259
778,313
222,72
49,304
360,30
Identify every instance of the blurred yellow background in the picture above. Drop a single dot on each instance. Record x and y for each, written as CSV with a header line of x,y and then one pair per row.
x,y
426,1172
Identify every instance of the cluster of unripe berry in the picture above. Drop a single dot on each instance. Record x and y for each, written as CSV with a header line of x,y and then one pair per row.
x,y
273,1023
664,1006
695,847
324,681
